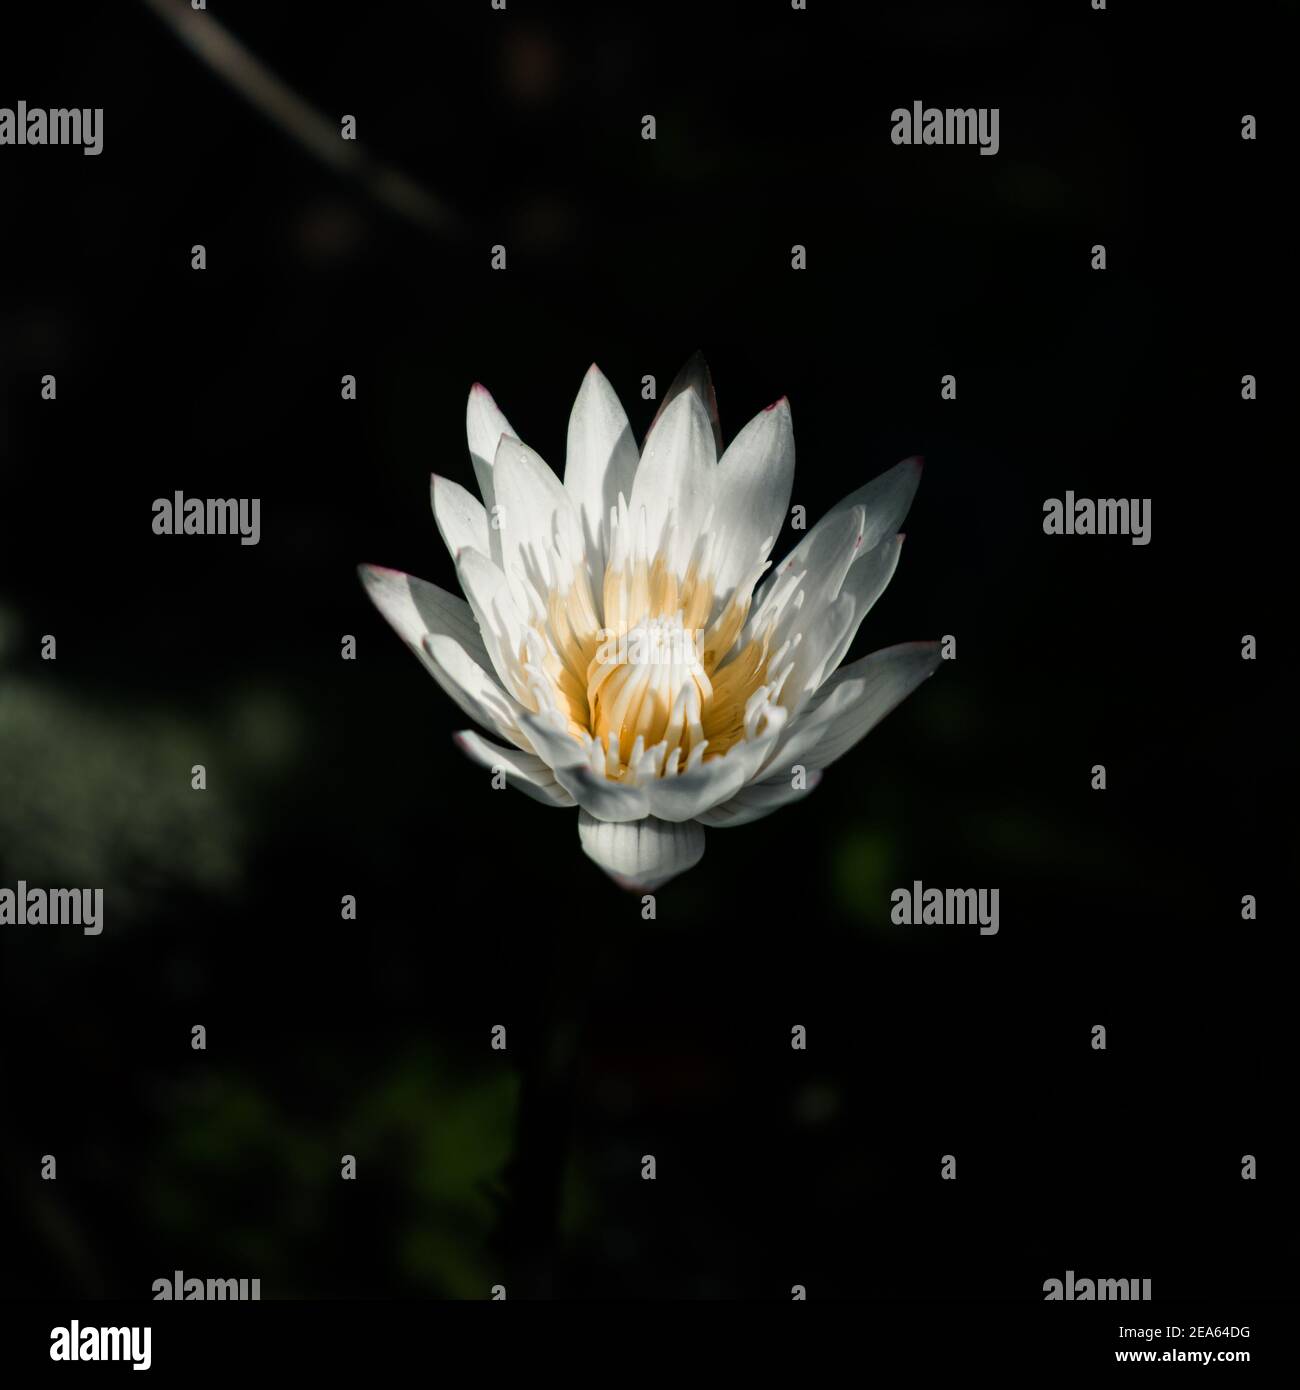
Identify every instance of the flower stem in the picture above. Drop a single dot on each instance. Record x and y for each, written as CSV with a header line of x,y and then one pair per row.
x,y
528,1230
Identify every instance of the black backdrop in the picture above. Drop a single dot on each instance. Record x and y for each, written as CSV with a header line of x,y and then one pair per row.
x,y
327,777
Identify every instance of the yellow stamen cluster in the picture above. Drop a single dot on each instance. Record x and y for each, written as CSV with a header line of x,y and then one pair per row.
x,y
658,674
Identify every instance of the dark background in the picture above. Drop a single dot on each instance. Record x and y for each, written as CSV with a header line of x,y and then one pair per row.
x,y
328,777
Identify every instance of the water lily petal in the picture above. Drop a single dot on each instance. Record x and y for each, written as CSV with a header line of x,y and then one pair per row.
x,y
676,474
642,855
853,701
499,621
484,426
884,500
754,480
694,376
523,770
533,513
759,799
460,517
688,794
867,579
473,690
794,607
414,607
600,462
830,631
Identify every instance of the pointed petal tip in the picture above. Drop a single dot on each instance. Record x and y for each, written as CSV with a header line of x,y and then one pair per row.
x,y
925,647
628,885
372,574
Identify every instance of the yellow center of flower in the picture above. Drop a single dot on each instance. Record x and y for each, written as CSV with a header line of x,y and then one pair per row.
x,y
658,675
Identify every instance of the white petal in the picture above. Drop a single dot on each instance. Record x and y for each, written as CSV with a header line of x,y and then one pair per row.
x,y
484,425
499,621
852,702
687,794
523,770
600,462
477,694
460,517
616,802
415,607
571,761
532,508
644,854
555,746
593,791
884,501
754,479
760,799
693,795
440,629
694,376
867,579
824,565
828,632
676,473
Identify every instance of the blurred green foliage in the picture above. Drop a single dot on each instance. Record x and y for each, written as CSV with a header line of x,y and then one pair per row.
x,y
425,1132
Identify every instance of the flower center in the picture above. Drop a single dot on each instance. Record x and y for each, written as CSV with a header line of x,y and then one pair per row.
x,y
649,683
651,677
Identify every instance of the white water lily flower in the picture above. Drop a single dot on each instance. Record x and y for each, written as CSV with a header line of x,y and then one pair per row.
x,y
614,641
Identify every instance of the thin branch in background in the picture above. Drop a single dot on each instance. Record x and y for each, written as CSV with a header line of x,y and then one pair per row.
x,y
259,86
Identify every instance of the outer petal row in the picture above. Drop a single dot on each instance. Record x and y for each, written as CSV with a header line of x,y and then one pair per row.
x,y
523,770
850,704
884,501
644,854
755,477
440,629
